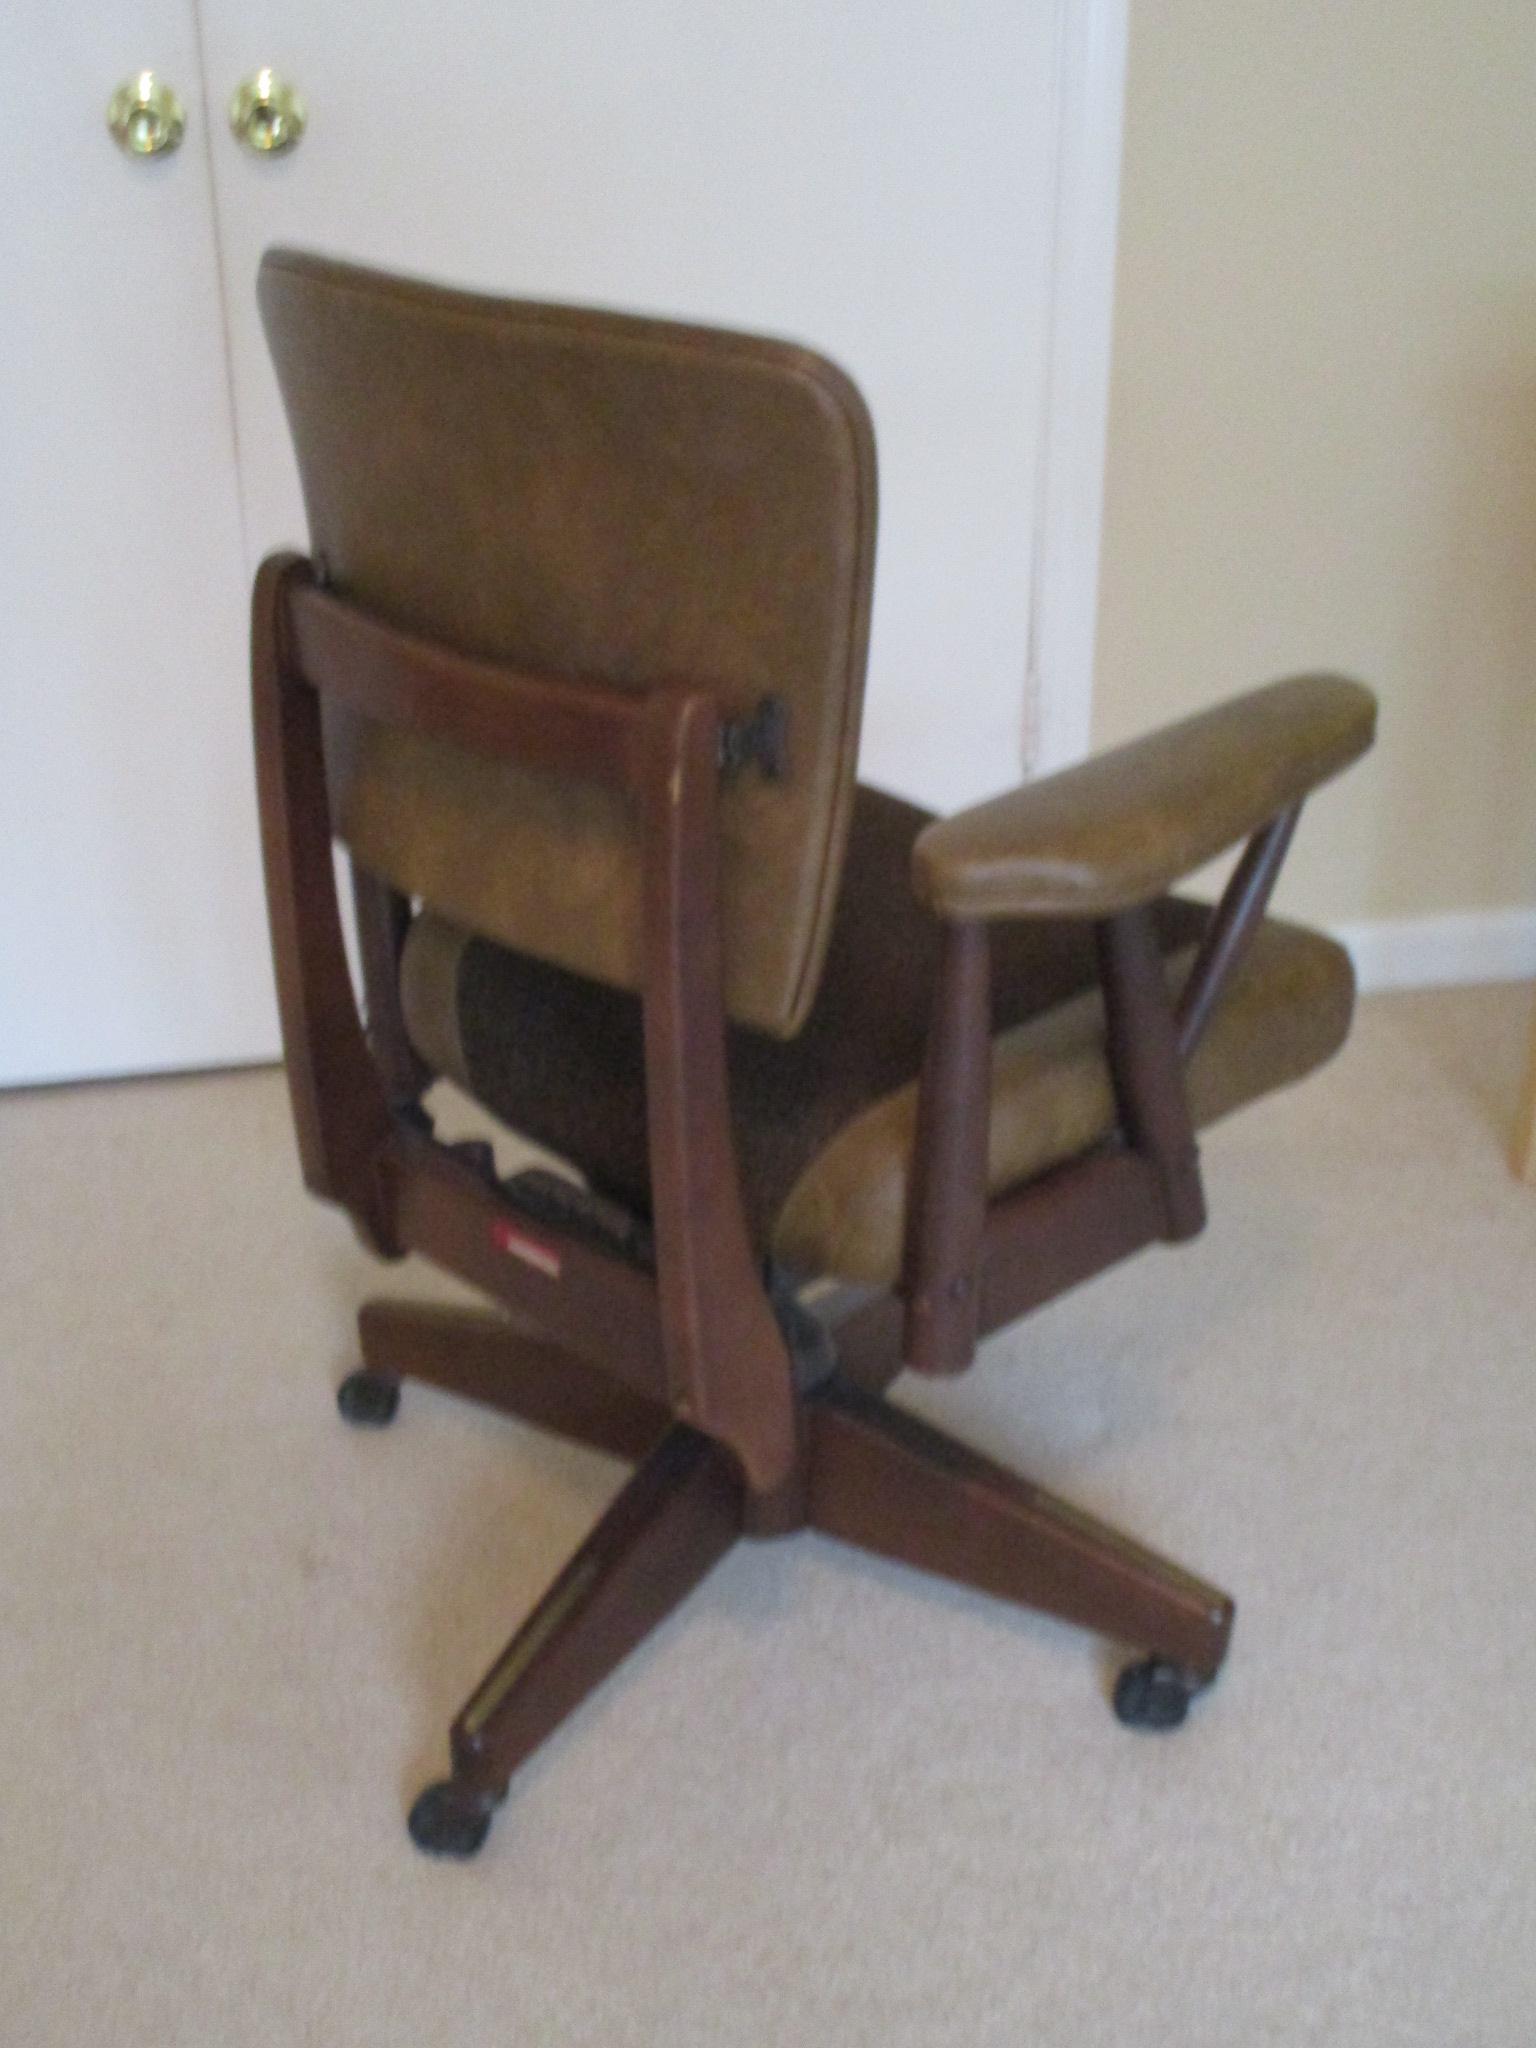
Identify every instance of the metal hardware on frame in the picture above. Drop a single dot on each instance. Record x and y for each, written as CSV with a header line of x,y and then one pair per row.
x,y
760,740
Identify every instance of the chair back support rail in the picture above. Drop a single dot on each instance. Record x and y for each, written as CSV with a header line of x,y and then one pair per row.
x,y
699,1334
972,1265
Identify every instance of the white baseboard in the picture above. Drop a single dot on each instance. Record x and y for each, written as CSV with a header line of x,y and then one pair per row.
x,y
1432,952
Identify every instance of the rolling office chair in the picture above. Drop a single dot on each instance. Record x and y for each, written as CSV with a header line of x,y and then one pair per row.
x,y
575,671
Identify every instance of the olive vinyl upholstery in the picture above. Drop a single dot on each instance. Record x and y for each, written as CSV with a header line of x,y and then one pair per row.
x,y
590,495
824,1122
1119,829
635,503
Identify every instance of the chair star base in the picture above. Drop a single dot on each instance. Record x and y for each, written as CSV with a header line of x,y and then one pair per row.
x,y
869,1474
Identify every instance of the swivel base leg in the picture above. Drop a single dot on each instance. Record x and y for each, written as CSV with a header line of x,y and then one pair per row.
x,y
890,1483
672,1521
487,1358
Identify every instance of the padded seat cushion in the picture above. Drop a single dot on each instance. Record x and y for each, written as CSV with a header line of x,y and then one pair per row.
x,y
824,1121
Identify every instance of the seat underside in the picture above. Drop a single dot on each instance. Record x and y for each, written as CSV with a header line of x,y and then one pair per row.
x,y
824,1121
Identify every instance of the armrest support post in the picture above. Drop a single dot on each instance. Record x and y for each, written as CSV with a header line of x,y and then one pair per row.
x,y
947,1203
1144,1063
1234,922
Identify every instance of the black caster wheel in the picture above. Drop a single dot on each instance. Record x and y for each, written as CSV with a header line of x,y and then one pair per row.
x,y
368,1398
447,1821
1154,1693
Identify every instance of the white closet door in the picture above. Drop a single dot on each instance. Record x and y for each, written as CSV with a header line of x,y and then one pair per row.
x,y
131,927
874,177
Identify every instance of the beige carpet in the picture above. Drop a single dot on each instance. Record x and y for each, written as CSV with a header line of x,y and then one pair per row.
x,y
831,1803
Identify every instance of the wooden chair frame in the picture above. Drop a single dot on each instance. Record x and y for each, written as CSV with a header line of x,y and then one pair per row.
x,y
677,1355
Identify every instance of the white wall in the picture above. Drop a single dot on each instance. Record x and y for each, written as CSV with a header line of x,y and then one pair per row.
x,y
1322,446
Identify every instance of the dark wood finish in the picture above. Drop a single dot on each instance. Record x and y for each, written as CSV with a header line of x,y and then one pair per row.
x,y
1064,1228
1037,1243
1237,916
728,1370
603,1309
673,1520
1144,1061
728,1366
383,919
340,1112
685,1367
888,1482
556,723
947,1206
486,1358
868,1337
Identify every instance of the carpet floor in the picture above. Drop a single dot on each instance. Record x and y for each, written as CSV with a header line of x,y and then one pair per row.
x,y
831,1802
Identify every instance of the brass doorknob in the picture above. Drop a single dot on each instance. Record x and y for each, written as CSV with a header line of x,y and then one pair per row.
x,y
145,116
266,114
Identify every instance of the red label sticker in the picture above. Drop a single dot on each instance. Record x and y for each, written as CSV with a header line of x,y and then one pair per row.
x,y
542,1257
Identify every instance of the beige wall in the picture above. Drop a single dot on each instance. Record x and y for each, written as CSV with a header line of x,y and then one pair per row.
x,y
1322,446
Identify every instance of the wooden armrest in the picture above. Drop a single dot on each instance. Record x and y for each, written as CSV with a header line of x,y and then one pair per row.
x,y
1121,829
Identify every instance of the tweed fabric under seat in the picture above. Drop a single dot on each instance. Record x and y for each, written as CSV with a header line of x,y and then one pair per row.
x,y
824,1121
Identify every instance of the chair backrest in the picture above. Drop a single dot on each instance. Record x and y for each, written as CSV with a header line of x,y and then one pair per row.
x,y
591,495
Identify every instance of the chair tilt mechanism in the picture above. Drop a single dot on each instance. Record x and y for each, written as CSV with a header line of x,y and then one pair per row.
x,y
575,673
